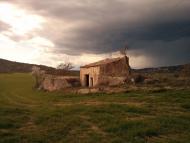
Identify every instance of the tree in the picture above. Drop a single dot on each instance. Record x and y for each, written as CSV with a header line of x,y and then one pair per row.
x,y
65,66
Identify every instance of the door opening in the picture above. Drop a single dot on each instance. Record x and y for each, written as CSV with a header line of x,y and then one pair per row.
x,y
87,80
91,82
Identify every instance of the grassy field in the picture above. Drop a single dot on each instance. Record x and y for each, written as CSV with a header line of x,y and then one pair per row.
x,y
30,116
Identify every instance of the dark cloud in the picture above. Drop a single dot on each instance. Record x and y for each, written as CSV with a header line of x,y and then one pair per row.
x,y
164,52
169,31
156,28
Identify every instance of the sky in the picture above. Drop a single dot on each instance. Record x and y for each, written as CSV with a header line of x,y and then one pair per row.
x,y
51,32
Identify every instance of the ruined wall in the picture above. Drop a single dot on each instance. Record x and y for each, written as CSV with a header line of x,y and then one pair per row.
x,y
52,83
93,72
118,68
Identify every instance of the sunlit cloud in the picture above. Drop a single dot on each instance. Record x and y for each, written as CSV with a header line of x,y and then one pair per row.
x,y
24,51
21,23
19,20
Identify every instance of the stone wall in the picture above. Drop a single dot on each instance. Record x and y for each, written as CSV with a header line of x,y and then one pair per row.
x,y
117,68
52,83
111,80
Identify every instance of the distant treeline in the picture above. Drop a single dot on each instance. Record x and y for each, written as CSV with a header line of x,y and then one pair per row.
x,y
169,69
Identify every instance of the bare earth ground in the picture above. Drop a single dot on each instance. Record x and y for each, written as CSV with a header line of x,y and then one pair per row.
x,y
30,116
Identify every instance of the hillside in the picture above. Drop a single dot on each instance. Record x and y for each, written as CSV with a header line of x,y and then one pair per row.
x,y
12,67
7,66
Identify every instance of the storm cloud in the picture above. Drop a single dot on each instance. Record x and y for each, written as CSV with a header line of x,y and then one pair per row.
x,y
157,29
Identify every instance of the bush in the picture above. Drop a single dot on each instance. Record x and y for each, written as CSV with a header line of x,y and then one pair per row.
x,y
185,72
138,78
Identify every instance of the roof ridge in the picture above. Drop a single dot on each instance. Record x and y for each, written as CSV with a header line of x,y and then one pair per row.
x,y
102,62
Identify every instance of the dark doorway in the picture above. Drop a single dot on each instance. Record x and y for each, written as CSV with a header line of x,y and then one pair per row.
x,y
87,80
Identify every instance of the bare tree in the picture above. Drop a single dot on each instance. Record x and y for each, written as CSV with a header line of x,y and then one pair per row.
x,y
65,66
123,51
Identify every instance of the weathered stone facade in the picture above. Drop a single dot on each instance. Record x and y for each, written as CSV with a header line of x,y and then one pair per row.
x,y
109,72
89,76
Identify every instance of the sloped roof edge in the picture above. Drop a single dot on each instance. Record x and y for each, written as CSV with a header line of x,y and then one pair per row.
x,y
102,62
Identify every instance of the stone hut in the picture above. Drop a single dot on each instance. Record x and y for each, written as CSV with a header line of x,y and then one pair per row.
x,y
109,72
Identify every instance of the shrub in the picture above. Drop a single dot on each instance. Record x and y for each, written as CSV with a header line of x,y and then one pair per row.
x,y
185,72
138,78
39,75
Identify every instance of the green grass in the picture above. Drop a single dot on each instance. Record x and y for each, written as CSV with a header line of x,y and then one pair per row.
x,y
31,116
